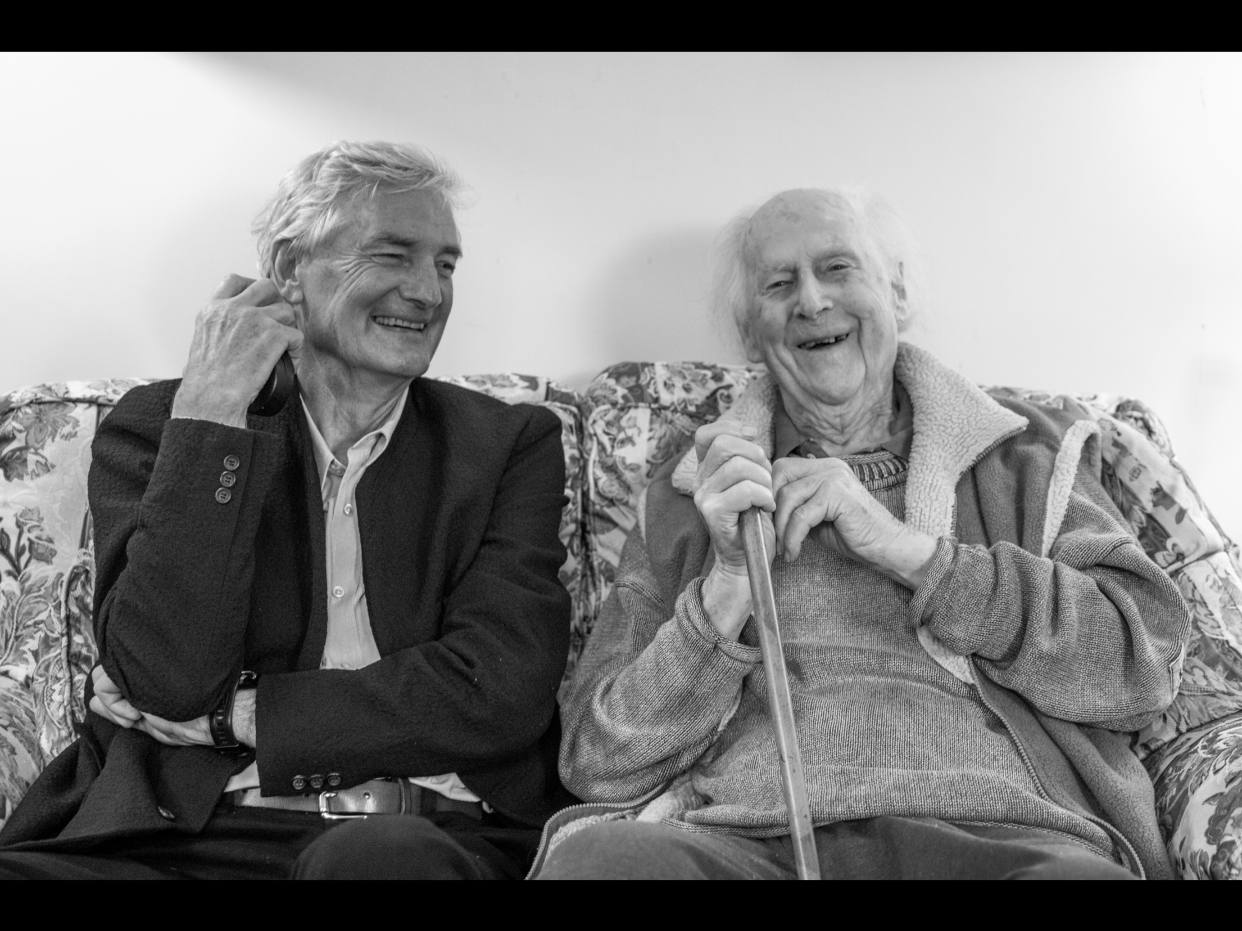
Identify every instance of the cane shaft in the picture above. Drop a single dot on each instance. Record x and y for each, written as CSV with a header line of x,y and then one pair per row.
x,y
801,830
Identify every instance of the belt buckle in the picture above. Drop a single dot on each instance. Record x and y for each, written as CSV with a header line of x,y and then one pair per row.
x,y
328,814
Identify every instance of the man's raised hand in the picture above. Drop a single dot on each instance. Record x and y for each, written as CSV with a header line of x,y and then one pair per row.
x,y
238,338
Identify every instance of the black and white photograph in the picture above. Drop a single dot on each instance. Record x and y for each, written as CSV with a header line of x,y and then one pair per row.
x,y
621,466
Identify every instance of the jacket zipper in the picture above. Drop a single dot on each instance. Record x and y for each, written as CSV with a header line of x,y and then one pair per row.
x,y
1120,839
1123,842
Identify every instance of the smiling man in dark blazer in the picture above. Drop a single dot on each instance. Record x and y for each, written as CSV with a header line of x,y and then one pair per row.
x,y
347,608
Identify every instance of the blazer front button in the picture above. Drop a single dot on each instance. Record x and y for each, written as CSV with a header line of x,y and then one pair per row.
x,y
166,814
316,781
223,495
231,463
299,783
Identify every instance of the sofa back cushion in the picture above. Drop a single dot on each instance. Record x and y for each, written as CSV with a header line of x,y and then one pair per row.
x,y
640,414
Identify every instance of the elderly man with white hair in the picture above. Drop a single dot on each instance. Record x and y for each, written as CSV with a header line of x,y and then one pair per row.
x,y
331,634
970,628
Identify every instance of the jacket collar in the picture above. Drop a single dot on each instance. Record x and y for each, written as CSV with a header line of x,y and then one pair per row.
x,y
955,424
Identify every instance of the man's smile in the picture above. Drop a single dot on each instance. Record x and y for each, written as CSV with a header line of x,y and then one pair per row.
x,y
823,341
399,323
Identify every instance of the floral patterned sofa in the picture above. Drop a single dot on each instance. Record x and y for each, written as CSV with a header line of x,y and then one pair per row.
x,y
631,419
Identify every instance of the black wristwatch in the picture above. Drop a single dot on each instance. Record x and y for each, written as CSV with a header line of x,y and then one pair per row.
x,y
220,721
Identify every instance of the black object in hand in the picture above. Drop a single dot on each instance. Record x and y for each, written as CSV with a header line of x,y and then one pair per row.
x,y
276,391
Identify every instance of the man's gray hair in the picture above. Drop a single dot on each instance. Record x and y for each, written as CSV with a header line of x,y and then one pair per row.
x,y
892,245
313,198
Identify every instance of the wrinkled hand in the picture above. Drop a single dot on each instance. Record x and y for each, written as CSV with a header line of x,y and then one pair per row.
x,y
734,475
108,702
823,496
238,338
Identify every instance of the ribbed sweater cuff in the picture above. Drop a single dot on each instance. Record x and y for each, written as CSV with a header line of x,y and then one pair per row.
x,y
930,594
701,635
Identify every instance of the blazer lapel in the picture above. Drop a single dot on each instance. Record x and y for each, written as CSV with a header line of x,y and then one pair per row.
x,y
313,562
403,552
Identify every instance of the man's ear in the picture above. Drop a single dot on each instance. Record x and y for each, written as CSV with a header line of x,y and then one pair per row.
x,y
902,303
286,274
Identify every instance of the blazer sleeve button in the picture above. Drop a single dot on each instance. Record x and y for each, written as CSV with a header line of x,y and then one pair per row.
x,y
223,495
299,783
231,463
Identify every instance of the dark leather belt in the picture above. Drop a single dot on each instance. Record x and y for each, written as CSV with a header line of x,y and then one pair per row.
x,y
376,797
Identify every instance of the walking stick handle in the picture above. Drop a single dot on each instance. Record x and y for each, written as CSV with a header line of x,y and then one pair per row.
x,y
801,830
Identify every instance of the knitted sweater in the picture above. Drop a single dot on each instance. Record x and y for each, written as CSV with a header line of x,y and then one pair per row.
x,y
1054,633
888,730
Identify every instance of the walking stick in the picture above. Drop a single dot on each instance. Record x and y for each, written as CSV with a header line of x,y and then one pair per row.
x,y
801,831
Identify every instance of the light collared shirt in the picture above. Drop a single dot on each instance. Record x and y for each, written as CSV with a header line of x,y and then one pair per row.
x,y
350,642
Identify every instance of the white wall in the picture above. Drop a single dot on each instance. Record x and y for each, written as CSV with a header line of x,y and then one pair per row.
x,y
1082,214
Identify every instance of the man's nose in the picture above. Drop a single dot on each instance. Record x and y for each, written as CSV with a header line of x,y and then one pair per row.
x,y
420,285
811,297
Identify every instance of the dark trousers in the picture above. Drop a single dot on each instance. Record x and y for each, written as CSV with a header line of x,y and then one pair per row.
x,y
871,848
258,843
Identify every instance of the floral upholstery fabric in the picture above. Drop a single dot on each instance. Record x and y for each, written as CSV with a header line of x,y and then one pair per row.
x,y
46,572
641,414
47,647
1198,781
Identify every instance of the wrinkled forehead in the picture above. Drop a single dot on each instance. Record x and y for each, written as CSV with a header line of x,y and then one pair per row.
x,y
790,229
407,216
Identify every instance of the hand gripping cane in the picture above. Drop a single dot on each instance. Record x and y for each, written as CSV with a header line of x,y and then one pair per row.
x,y
801,831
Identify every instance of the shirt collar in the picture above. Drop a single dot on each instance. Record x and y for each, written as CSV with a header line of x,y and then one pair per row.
x,y
786,437
373,443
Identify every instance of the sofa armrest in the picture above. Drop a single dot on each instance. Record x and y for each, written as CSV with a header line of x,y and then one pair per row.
x,y
1198,783
20,760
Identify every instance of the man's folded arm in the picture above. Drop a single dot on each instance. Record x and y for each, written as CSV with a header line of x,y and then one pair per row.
x,y
176,506
1092,634
483,691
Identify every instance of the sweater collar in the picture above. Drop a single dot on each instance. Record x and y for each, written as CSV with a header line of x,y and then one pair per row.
x,y
955,424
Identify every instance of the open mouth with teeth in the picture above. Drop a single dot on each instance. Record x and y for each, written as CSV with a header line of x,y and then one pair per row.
x,y
824,343
398,324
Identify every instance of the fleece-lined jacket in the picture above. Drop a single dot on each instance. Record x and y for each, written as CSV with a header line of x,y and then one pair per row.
x,y
1037,595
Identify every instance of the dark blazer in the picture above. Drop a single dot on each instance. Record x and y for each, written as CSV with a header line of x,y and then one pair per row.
x,y
458,520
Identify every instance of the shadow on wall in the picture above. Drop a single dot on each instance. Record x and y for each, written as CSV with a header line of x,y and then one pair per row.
x,y
652,302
